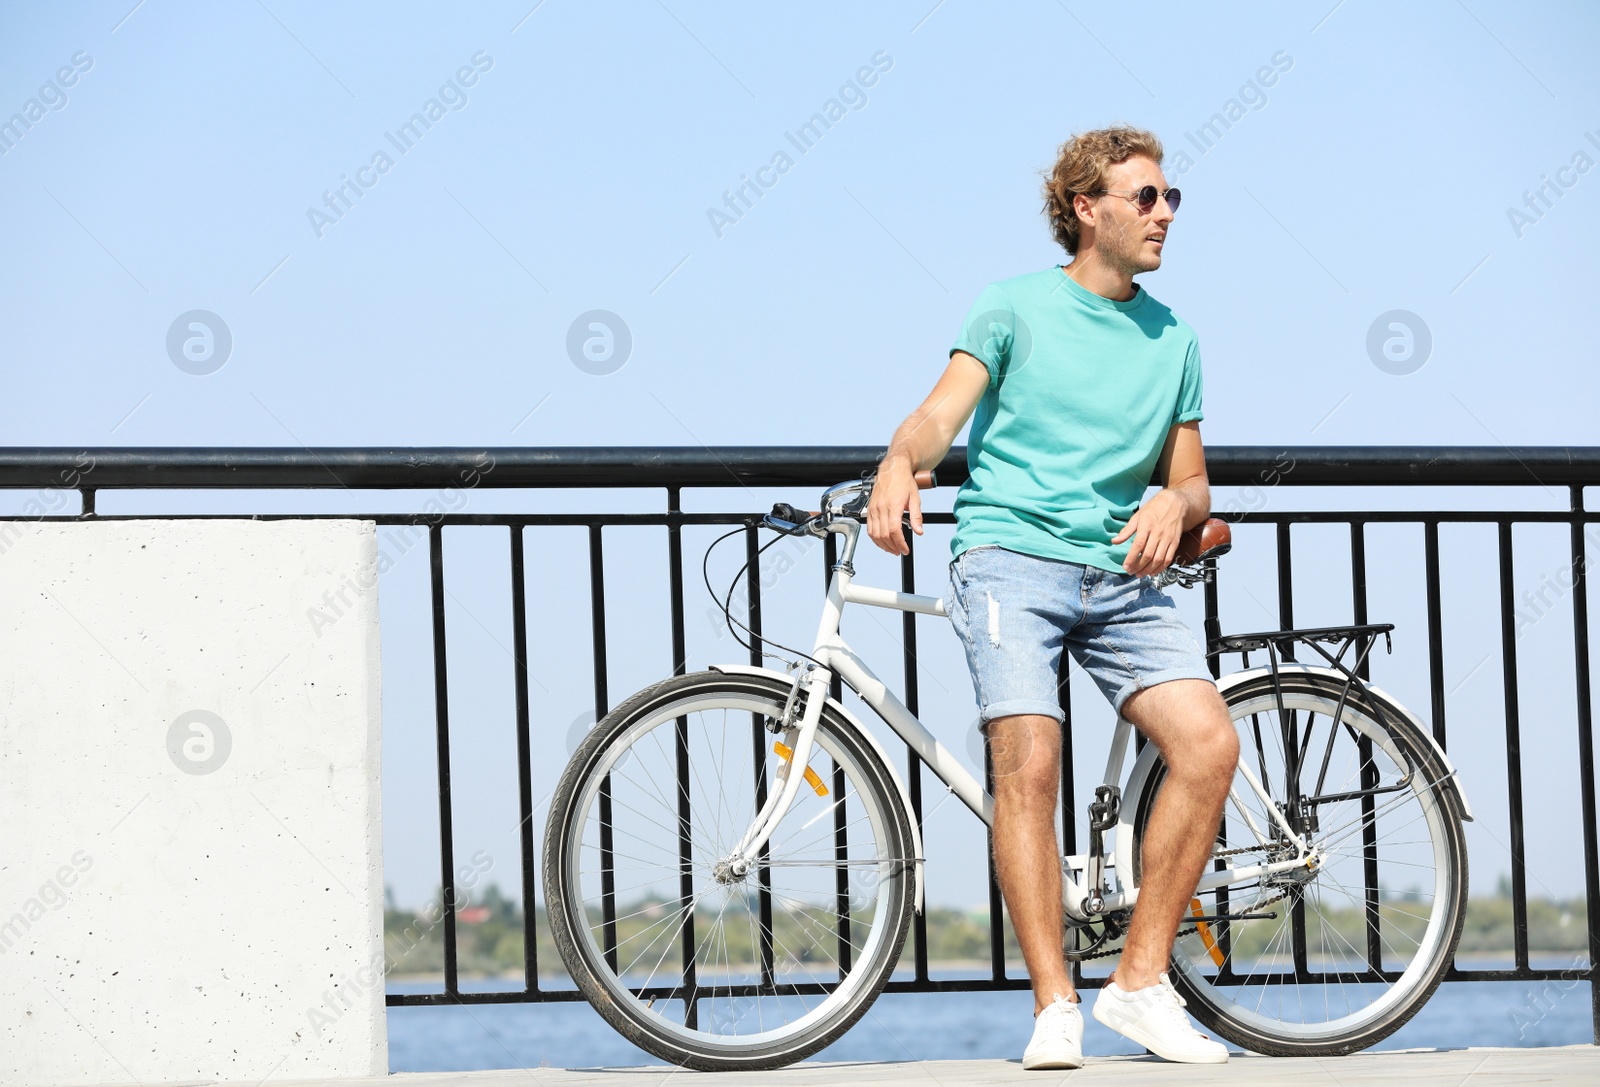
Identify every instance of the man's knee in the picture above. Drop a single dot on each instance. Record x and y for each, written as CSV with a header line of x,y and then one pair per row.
x,y
1212,746
1189,723
1025,753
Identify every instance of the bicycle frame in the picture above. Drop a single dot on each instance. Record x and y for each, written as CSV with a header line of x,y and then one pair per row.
x,y
835,657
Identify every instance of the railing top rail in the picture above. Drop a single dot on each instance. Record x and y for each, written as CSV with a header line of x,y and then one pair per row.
x,y
727,466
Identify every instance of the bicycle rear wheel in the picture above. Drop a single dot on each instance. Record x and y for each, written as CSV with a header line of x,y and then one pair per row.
x,y
697,964
1354,947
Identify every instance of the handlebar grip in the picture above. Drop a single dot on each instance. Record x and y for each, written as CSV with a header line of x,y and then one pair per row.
x,y
925,479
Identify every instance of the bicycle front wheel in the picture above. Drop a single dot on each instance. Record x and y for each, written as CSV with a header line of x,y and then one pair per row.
x,y
1338,956
692,960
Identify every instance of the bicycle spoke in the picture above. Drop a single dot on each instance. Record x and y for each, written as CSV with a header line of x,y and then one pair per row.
x,y
804,881
1345,957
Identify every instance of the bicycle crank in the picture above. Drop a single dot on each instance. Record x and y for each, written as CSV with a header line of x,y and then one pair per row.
x,y
1202,925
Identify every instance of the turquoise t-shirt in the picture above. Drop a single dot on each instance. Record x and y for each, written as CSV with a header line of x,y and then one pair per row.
x,y
1082,393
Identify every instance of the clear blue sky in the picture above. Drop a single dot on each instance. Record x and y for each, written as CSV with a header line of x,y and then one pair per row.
x,y
183,168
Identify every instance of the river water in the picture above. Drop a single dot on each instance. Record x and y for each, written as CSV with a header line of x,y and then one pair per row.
x,y
945,1026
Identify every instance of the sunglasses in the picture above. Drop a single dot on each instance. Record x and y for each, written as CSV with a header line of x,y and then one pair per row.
x,y
1145,198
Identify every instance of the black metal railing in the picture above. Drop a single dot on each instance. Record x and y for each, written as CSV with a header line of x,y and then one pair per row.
x,y
676,469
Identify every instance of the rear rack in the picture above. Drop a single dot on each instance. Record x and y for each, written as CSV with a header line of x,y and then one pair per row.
x,y
1243,643
1275,642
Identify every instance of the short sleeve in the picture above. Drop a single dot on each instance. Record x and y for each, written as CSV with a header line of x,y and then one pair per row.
x,y
989,333
1188,409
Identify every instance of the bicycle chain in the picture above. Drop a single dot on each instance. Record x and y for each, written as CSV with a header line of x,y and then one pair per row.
x,y
1193,928
1239,849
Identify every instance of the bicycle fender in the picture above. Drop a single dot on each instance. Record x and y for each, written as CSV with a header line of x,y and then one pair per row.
x,y
1122,852
872,741
1140,775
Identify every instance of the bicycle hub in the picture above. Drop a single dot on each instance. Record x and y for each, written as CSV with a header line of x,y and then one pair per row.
x,y
730,870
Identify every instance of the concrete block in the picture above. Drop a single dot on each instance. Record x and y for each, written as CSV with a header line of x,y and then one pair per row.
x,y
191,881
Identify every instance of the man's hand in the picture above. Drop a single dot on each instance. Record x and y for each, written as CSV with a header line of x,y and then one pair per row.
x,y
893,493
1156,528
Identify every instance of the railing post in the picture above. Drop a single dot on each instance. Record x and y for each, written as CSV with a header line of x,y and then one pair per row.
x,y
908,629
1586,767
758,739
687,942
519,662
1430,563
441,709
602,706
1508,661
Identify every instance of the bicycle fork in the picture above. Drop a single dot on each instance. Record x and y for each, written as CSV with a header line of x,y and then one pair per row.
x,y
799,738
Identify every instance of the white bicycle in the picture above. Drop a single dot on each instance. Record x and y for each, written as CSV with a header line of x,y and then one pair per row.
x,y
731,861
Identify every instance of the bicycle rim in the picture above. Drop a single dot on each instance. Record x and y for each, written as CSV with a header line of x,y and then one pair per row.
x,y
1355,947
780,961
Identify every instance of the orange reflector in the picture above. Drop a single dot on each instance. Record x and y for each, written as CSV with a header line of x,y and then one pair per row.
x,y
1205,931
811,775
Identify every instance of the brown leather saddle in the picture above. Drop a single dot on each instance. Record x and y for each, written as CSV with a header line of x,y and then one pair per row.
x,y
1207,540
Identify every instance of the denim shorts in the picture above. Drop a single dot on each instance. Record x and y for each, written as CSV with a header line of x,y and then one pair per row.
x,y
1014,612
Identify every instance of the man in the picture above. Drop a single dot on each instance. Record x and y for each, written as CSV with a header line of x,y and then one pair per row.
x,y
1086,389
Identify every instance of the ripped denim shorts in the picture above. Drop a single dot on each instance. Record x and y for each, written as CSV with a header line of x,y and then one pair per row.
x,y
1014,612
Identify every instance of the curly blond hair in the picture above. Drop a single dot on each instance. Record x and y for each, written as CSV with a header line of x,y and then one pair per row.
x,y
1081,168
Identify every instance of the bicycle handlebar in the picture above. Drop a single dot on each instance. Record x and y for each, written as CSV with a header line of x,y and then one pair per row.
x,y
786,519
1210,539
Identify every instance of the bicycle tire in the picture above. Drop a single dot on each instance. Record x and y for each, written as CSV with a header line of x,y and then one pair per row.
x,y
1439,808
606,983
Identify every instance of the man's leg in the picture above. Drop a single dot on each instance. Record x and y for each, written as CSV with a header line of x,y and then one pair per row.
x,y
1188,722
1026,752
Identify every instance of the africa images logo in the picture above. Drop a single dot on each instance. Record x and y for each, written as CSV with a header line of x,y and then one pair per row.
x,y
738,201
338,202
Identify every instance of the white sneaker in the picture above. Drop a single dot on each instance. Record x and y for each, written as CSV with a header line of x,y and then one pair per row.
x,y
1154,1018
1057,1037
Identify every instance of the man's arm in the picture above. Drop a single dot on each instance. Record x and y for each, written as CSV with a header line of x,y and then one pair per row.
x,y
922,442
1183,502
1183,465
